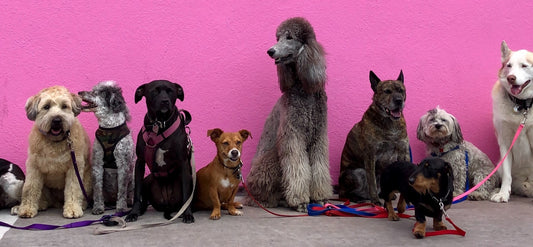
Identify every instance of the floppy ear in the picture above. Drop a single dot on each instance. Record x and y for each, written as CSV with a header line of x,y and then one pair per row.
x,y
420,135
76,104
117,103
245,133
506,52
179,91
311,66
139,93
457,135
31,107
400,77
214,134
374,81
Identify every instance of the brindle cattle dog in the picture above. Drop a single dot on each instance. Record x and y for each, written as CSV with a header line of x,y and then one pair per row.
x,y
379,139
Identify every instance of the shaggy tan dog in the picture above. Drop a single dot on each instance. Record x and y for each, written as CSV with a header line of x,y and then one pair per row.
x,y
50,174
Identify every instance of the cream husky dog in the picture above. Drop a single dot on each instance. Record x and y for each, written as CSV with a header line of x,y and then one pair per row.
x,y
512,96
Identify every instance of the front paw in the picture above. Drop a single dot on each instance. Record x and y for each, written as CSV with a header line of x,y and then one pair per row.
x,y
15,210
302,207
188,218
98,209
478,196
72,211
132,217
500,197
376,202
235,212
27,211
419,231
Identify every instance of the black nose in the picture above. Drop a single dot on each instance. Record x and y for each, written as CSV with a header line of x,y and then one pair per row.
x,y
511,79
56,120
271,52
234,153
438,126
411,180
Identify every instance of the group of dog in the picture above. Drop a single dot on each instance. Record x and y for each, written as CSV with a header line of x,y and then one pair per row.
x,y
291,164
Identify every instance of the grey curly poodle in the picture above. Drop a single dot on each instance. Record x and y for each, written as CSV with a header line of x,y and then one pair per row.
x,y
292,159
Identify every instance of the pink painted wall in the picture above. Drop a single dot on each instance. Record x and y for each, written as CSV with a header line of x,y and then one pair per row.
x,y
449,53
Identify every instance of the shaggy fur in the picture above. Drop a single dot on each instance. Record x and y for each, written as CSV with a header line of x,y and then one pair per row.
x,y
113,175
11,182
50,175
378,140
512,95
442,135
292,159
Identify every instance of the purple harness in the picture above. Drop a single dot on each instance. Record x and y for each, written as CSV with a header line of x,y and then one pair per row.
x,y
152,140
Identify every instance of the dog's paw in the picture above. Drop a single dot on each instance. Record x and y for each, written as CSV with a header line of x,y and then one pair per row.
x,y
27,212
72,211
98,210
235,212
478,196
131,217
500,197
393,217
377,202
15,210
188,218
237,205
302,207
527,187
439,226
419,231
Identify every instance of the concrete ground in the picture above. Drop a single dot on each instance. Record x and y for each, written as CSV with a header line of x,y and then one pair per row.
x,y
485,223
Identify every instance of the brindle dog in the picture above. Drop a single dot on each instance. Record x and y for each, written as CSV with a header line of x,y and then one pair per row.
x,y
379,139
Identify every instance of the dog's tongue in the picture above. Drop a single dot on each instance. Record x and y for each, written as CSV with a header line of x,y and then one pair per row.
x,y
516,89
396,114
56,132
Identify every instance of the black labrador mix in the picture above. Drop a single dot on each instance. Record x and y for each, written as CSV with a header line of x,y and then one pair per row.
x,y
163,145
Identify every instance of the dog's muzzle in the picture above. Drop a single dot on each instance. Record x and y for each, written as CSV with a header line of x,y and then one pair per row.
x,y
56,128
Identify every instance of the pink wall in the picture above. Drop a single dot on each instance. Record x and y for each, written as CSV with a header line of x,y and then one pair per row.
x,y
449,53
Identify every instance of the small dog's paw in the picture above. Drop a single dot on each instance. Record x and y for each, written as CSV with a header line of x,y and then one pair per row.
x,y
27,212
98,210
214,216
72,211
393,217
237,205
131,217
419,231
528,189
235,212
478,196
377,202
301,208
439,226
189,218
500,197
15,210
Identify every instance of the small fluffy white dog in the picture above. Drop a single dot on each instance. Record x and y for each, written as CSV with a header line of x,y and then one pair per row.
x,y
50,175
512,96
442,135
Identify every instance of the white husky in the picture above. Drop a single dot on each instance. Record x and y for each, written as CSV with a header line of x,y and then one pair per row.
x,y
512,96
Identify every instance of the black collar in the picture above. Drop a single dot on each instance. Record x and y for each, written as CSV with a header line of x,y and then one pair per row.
x,y
158,125
236,170
521,104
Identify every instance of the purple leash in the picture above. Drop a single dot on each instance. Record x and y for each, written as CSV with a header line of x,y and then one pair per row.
x,y
75,164
108,220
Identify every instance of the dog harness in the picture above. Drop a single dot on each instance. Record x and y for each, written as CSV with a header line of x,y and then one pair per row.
x,y
153,141
108,139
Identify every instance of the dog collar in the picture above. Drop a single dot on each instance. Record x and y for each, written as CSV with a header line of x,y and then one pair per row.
x,y
442,153
236,170
520,104
156,124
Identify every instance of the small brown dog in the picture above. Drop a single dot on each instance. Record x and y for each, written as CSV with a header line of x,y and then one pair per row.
x,y
217,183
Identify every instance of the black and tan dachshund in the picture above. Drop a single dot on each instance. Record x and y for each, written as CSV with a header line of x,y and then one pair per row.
x,y
428,187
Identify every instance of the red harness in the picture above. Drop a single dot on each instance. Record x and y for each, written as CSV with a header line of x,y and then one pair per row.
x,y
152,141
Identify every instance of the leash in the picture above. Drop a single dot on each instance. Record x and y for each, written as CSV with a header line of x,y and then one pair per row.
x,y
108,220
101,231
520,127
75,164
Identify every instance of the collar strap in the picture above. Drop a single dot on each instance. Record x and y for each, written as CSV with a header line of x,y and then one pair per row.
x,y
236,169
521,104
157,124
114,128
442,153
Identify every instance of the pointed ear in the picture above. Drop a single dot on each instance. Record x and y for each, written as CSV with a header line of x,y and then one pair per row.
x,y
31,107
179,91
374,81
139,93
506,52
76,104
214,134
245,133
400,77
457,134
311,66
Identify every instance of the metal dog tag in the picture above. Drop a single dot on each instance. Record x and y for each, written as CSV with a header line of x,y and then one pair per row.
x,y
155,128
516,108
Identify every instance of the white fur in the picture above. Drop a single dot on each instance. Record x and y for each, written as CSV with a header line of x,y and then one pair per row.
x,y
225,182
517,169
160,157
11,185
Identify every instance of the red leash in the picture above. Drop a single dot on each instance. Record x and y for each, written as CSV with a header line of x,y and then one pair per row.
x,y
261,206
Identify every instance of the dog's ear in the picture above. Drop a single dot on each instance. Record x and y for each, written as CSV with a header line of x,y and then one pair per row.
x,y
76,104
214,134
179,91
139,93
374,81
311,66
117,103
400,77
420,134
457,134
245,133
32,107
506,52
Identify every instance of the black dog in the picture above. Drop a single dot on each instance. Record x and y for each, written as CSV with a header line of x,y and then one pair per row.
x,y
427,186
163,145
11,182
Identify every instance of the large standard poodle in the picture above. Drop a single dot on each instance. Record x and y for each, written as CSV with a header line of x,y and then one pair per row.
x,y
292,159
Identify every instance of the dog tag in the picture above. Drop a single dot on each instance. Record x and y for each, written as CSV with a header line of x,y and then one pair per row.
x,y
155,128
516,108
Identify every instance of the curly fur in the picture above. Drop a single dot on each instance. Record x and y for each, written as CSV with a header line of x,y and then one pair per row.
x,y
442,135
292,159
110,185
50,176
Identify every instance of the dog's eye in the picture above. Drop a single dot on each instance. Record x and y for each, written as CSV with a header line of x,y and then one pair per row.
x,y
64,106
509,65
225,143
239,142
46,107
289,37
524,65
388,91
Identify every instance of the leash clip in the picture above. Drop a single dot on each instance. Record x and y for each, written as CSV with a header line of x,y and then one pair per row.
x,y
69,141
524,113
441,205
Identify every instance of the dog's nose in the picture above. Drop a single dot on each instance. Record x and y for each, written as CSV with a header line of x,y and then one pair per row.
x,y
398,101
511,79
56,120
411,180
271,52
438,126
234,153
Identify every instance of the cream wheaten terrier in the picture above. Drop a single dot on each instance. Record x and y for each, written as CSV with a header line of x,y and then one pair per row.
x,y
50,175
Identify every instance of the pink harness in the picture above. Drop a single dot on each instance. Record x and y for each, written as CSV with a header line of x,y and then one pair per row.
x,y
152,141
